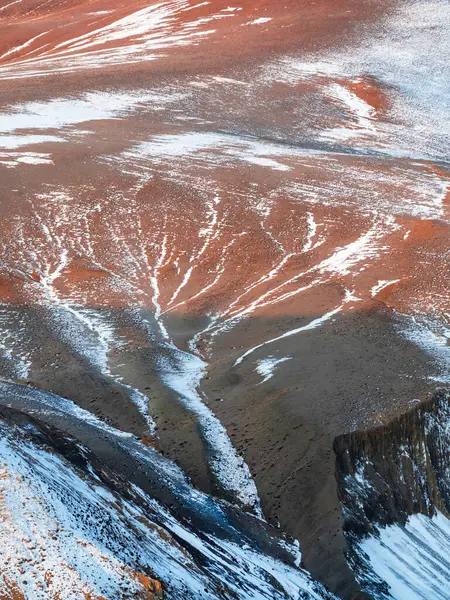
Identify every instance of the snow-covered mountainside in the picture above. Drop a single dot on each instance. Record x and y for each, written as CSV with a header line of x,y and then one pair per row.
x,y
411,559
224,265
70,528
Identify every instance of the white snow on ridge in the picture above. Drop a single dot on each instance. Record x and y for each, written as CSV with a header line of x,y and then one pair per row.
x,y
214,149
22,46
10,4
260,21
63,112
13,159
84,540
138,36
53,542
92,334
13,142
431,334
414,559
362,113
409,55
381,285
314,324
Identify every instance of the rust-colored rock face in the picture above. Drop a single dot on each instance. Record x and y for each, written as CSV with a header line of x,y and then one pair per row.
x,y
225,230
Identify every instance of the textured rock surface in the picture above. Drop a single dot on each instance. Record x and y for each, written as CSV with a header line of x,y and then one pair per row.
x,y
389,473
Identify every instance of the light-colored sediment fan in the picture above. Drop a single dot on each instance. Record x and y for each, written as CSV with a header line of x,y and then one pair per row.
x,y
192,166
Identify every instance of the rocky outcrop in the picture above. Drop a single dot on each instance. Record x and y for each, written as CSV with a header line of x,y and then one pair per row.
x,y
388,473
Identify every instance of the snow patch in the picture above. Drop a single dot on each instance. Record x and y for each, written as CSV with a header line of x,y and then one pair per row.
x,y
260,21
182,372
381,285
266,366
413,560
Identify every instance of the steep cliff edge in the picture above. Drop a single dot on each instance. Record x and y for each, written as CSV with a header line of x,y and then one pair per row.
x,y
387,476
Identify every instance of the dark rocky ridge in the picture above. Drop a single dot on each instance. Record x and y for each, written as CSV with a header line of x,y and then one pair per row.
x,y
390,472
